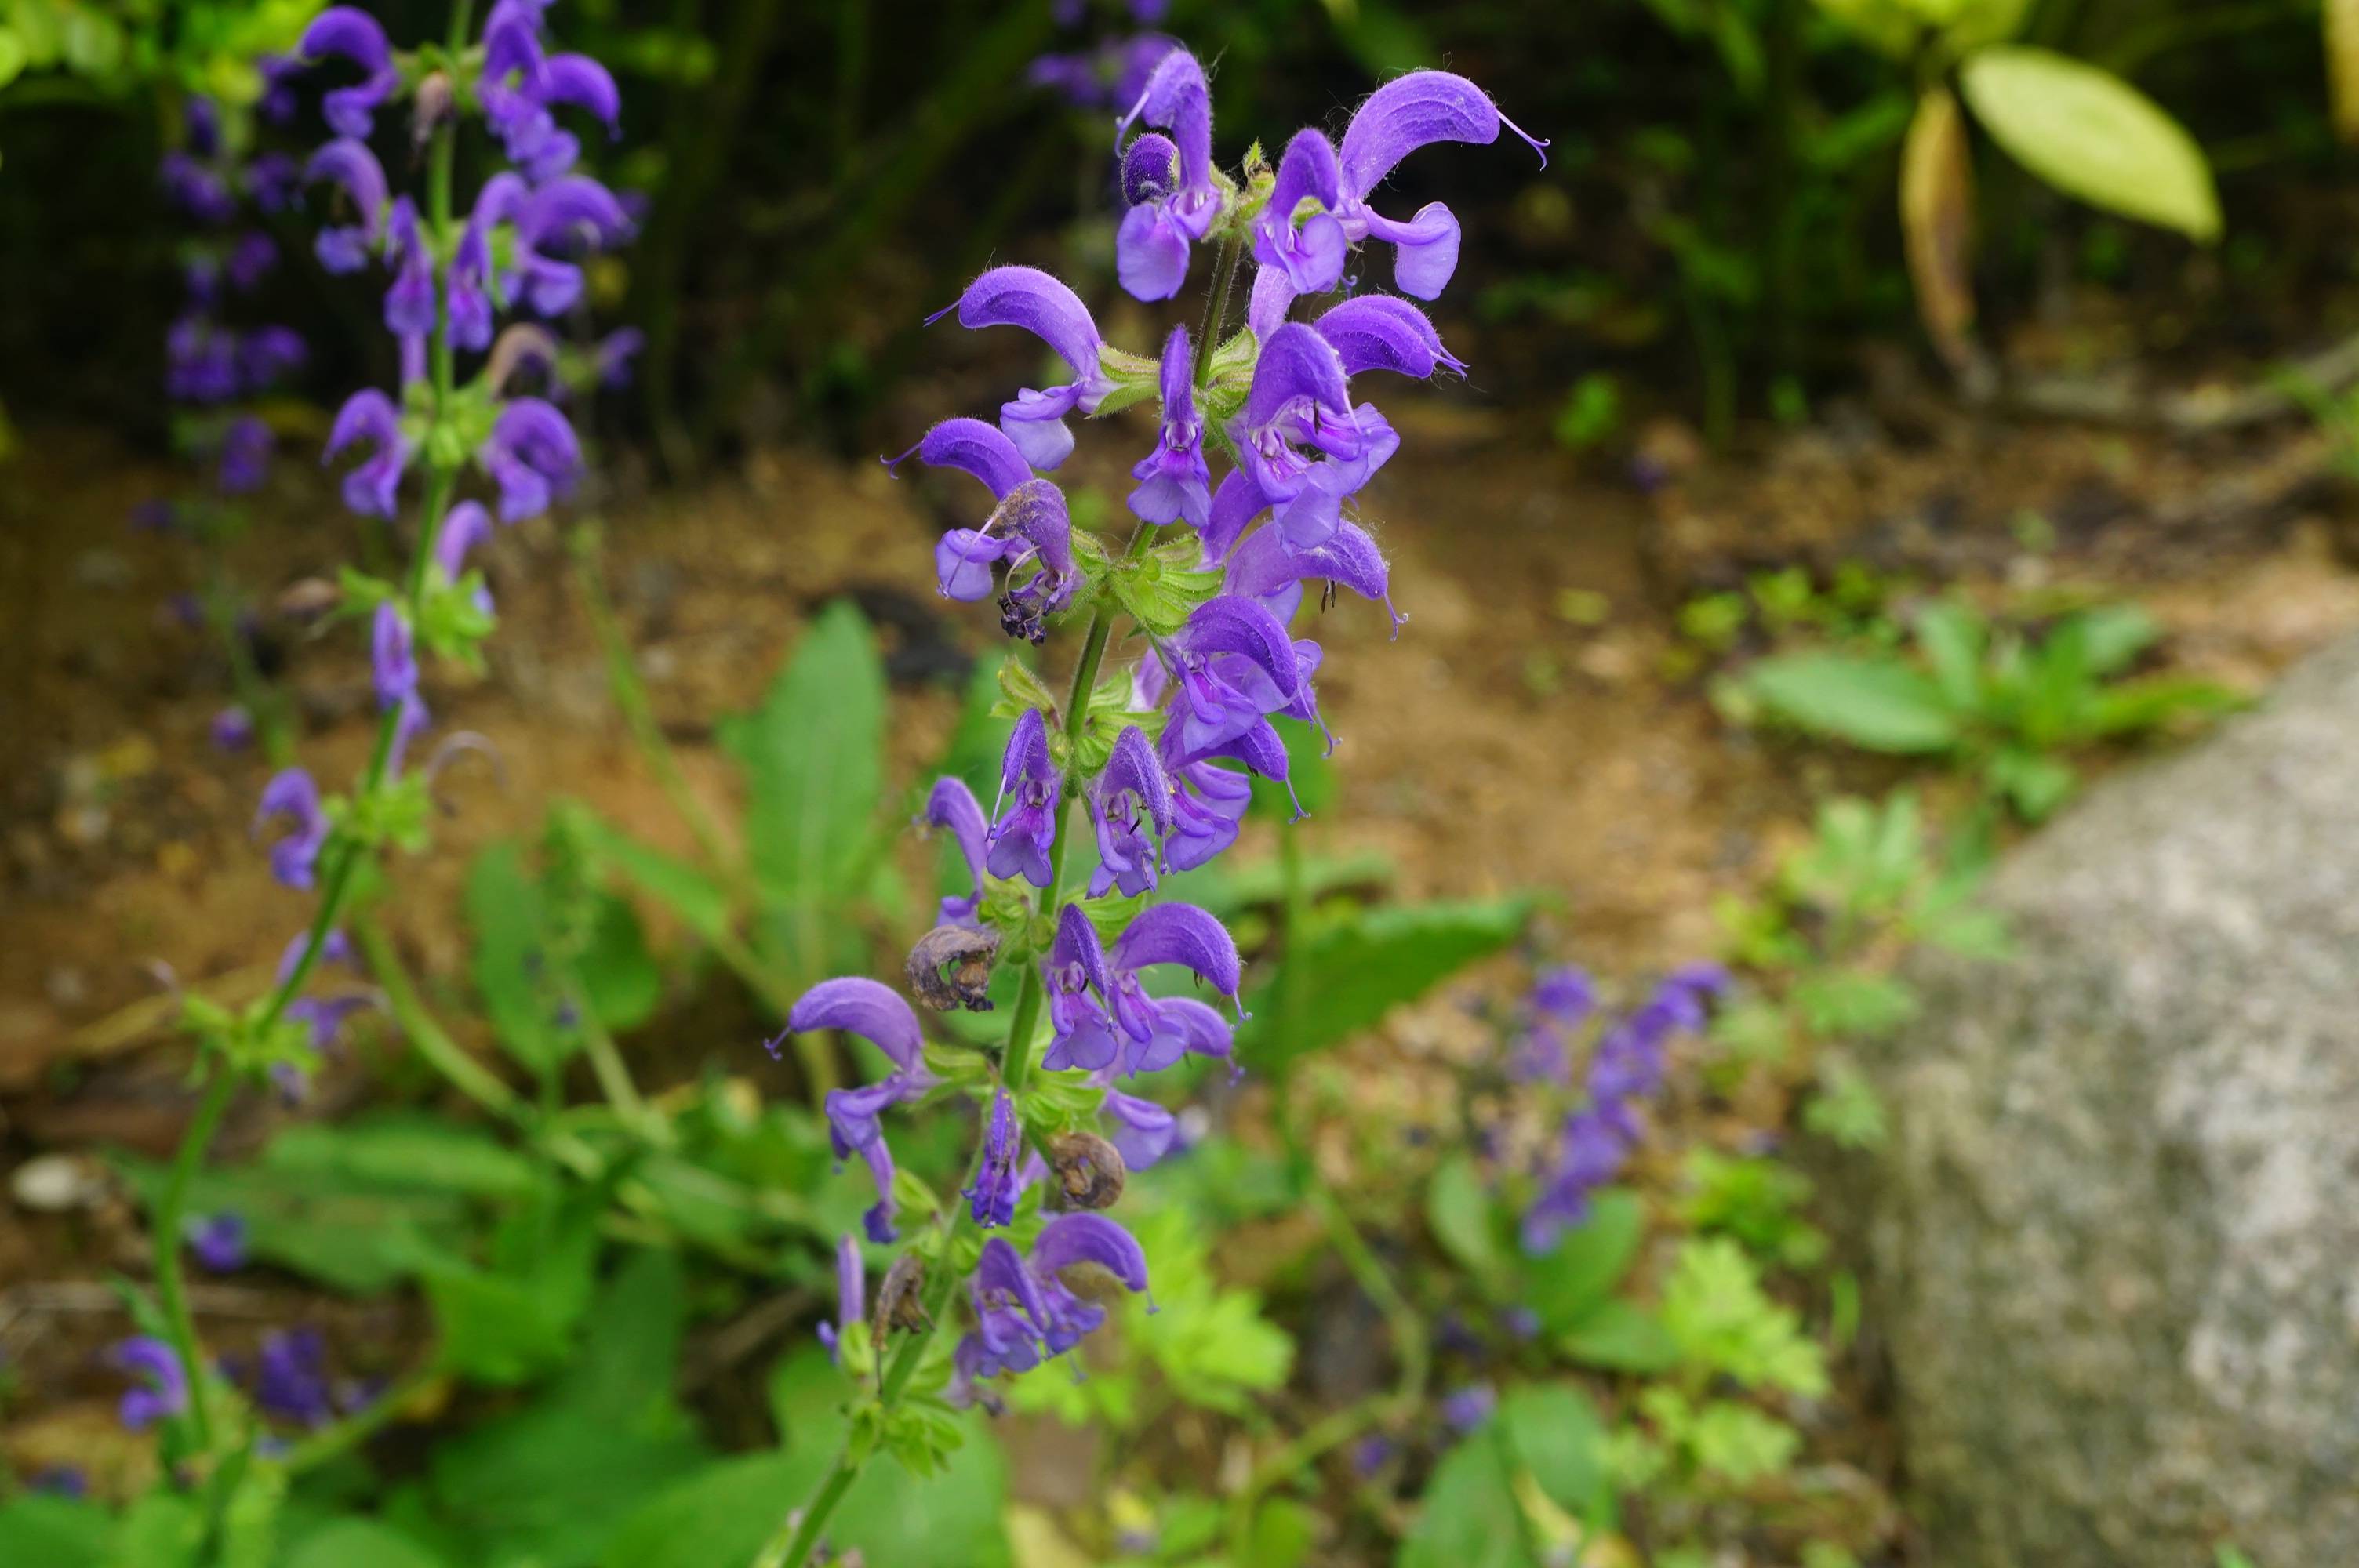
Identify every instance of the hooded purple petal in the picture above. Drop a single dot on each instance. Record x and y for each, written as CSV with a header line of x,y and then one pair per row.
x,y
1309,253
1026,823
1130,797
971,446
1184,934
952,805
291,793
1377,331
864,1008
1265,571
1143,1131
1176,481
369,415
1410,111
1072,1239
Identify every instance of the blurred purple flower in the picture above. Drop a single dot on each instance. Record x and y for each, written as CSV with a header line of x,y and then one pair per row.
x,y
219,1240
162,1383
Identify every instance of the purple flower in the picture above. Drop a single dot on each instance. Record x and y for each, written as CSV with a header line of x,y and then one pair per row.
x,y
862,1007
393,658
1377,332
1023,828
1130,797
233,729
1590,1150
202,121
1151,246
354,35
267,354
1208,805
1303,447
369,415
573,214
197,189
851,1293
250,259
200,362
292,795
1565,995
1143,1131
612,357
464,526
245,450
1371,1454
520,84
1297,233
290,1377
991,1198
1024,1312
1463,1409
1029,527
219,1241
1175,482
1027,297
1267,571
409,301
532,455
1235,667
952,805
1399,117
278,72
272,180
1102,1017
354,170
162,1389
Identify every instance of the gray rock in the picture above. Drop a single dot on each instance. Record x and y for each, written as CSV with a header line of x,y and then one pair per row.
x,y
2115,1238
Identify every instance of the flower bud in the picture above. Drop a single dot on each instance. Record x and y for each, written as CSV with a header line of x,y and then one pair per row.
x,y
1150,168
433,105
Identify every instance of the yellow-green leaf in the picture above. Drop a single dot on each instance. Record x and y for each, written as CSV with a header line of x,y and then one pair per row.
x,y
2093,136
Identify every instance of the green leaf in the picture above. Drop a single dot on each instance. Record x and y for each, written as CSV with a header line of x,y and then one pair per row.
x,y
1620,1337
619,977
1463,1219
1853,1003
56,1533
548,1483
813,754
1567,1283
1283,1533
1161,589
1554,1432
2128,706
2034,784
160,1530
1882,705
1724,1321
1741,1443
509,916
1952,637
2093,136
359,1544
514,1320
700,903
1362,969
1469,1518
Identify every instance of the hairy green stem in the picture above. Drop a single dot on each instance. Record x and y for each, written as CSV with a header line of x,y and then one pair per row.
x,y
795,1549
171,1219
461,1071
1216,311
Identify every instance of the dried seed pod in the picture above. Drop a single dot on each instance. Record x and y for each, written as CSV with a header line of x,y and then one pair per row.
x,y
966,955
898,1302
1089,1170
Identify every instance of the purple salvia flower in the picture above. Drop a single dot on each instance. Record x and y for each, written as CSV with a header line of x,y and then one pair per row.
x,y
1024,829
991,1198
231,729
219,1241
1590,1152
1267,571
1143,1131
1304,447
851,1293
272,180
1377,331
1309,251
245,450
268,354
1399,117
290,1377
251,257
1371,1454
1235,667
1030,527
1208,806
464,526
1009,1313
163,1382
200,362
1151,246
393,657
1130,797
1175,482
369,415
1566,995
532,455
614,353
862,1007
335,948
196,189
410,300
292,795
1272,297
278,104
407,725
1075,1238
1123,1028
202,121
354,170
952,805
573,214
1027,297
354,34
1463,1409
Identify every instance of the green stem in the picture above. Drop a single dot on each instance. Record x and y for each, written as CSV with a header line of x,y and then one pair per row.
x,y
796,1550
462,1072
171,1219
1216,313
